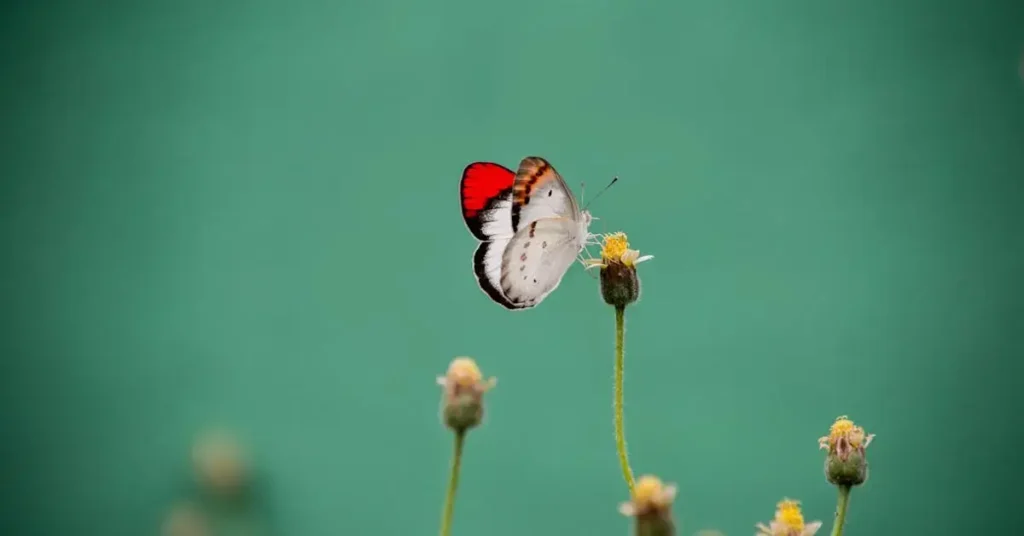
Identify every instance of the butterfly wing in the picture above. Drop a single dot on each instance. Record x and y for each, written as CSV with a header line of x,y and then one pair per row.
x,y
536,259
540,192
486,199
485,193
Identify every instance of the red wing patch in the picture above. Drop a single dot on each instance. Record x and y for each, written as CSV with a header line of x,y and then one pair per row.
x,y
482,183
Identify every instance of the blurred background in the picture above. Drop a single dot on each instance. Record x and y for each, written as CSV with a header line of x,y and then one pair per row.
x,y
244,216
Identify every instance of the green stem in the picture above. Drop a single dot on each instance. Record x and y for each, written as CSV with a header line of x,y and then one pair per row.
x,y
453,484
620,434
841,504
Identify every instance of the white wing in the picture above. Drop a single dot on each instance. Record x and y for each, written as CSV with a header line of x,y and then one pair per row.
x,y
536,259
539,192
487,260
485,196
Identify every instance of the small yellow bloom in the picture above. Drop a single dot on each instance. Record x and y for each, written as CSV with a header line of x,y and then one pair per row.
x,y
615,248
846,443
844,435
464,374
620,285
649,495
789,521
462,406
615,245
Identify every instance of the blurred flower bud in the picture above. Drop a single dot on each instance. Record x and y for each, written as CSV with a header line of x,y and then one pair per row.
x,y
846,463
185,520
620,285
651,507
789,521
220,464
464,388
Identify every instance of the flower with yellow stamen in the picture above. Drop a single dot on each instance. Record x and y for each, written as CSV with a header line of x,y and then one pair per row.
x,y
651,506
844,433
846,463
789,521
615,248
620,285
464,387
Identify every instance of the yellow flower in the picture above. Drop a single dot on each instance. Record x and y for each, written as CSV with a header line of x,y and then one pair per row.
x,y
844,435
789,521
464,374
220,462
462,406
650,495
846,443
620,285
615,248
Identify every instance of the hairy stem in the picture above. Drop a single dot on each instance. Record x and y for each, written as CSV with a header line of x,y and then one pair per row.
x,y
620,434
841,504
453,483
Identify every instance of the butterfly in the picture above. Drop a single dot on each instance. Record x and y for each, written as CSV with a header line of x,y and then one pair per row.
x,y
530,229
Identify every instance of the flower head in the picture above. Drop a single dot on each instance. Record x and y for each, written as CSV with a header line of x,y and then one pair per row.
x,y
464,387
788,521
846,463
620,285
615,248
219,462
185,520
651,506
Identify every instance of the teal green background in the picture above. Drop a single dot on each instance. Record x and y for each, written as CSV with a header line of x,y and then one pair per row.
x,y
244,214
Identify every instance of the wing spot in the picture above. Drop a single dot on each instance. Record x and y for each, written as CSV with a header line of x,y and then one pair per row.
x,y
534,280
550,192
533,229
544,244
521,268
524,277
522,257
526,245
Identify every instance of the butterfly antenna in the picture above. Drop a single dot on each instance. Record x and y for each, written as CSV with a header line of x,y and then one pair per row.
x,y
605,189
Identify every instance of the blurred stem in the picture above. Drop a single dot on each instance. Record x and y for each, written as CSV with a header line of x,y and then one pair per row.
x,y
453,483
620,434
841,504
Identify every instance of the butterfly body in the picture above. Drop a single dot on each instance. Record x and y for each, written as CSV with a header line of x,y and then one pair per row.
x,y
530,227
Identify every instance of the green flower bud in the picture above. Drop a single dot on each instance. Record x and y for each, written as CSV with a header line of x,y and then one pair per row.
x,y
620,285
655,524
849,471
463,411
462,404
846,463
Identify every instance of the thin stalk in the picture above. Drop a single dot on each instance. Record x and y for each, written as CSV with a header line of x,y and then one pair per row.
x,y
620,434
453,483
841,504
